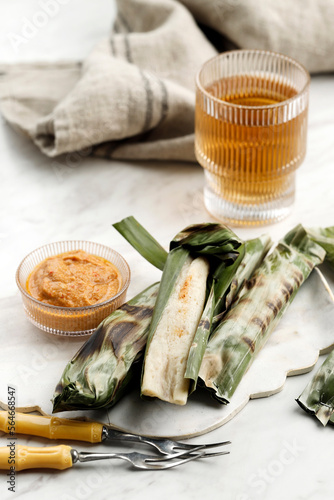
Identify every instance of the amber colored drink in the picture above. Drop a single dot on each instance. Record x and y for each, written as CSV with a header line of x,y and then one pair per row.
x,y
250,139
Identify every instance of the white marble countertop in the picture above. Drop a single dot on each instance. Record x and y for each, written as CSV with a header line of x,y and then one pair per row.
x,y
277,450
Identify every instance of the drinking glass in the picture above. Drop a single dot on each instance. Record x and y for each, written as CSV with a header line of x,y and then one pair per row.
x,y
250,134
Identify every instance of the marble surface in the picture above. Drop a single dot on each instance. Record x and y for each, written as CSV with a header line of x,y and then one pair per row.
x,y
277,450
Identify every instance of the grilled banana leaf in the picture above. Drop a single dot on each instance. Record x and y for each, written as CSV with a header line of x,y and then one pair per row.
x,y
255,313
228,272
318,396
196,253
99,373
240,271
255,252
201,240
325,238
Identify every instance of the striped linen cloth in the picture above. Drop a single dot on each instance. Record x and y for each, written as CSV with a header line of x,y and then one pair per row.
x,y
133,97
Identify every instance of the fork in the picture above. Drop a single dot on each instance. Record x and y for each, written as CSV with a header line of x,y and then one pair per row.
x,y
64,457
91,432
165,446
140,460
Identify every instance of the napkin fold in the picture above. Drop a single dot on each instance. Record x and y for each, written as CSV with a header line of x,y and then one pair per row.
x,y
133,97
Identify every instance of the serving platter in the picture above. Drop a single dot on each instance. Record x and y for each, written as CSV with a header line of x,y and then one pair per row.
x,y
32,362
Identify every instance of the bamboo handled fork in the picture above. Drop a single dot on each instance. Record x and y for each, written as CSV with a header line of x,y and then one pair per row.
x,y
171,453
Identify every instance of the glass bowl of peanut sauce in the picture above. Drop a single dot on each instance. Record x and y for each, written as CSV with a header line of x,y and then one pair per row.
x,y
69,287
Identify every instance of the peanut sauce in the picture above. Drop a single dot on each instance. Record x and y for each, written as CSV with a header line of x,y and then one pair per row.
x,y
74,279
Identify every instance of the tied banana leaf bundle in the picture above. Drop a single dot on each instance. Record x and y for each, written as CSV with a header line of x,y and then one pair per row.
x,y
246,327
318,396
100,372
204,269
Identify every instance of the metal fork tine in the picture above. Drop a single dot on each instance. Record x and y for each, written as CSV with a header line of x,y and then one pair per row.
x,y
171,456
165,446
207,446
168,464
142,461
216,454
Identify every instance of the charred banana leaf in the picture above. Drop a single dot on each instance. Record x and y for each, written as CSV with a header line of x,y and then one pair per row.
x,y
246,327
325,238
195,255
255,252
318,396
220,299
99,373
228,272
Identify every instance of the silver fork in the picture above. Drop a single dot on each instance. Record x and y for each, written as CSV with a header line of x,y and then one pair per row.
x,y
57,428
64,457
142,461
164,446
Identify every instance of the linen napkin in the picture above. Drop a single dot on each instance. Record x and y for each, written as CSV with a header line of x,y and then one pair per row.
x,y
133,97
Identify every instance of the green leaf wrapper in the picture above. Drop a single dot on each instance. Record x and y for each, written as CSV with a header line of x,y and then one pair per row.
x,y
318,396
99,373
142,241
246,327
226,284
231,264
325,238
220,246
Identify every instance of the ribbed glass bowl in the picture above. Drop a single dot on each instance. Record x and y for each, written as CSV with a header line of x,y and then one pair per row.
x,y
70,321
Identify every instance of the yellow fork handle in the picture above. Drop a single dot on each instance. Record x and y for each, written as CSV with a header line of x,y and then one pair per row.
x,y
52,427
29,457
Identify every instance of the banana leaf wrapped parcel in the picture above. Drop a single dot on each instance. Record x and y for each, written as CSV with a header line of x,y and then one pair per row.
x,y
255,251
324,236
196,254
246,327
205,267
100,372
318,396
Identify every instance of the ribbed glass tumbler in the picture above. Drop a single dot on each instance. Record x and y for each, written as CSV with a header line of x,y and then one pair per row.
x,y
250,134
